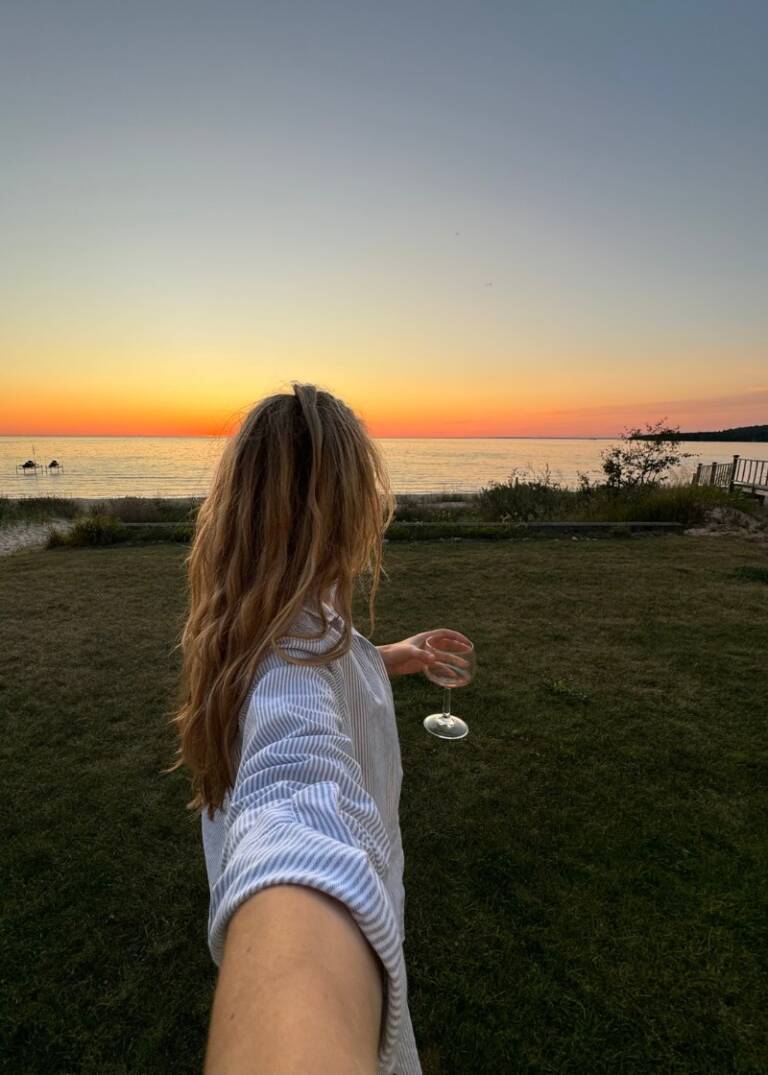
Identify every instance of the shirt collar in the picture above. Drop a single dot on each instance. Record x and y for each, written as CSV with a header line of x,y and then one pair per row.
x,y
331,614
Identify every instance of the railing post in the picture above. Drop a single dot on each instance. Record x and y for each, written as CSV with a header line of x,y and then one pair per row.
x,y
733,473
697,475
713,474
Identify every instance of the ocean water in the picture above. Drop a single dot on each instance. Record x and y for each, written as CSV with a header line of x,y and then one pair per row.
x,y
183,466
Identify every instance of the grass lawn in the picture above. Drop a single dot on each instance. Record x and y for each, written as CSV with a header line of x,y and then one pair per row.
x,y
585,872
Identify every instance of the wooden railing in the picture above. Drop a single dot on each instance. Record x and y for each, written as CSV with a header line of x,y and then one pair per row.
x,y
748,474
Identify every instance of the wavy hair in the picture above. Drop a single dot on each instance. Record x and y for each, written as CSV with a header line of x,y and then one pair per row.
x,y
295,515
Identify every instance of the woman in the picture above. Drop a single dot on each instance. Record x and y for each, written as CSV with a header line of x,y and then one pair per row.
x,y
287,725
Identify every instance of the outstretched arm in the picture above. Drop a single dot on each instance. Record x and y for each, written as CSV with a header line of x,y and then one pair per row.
x,y
304,858
300,989
403,658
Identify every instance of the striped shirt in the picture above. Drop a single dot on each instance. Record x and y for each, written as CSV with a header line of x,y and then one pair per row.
x,y
315,802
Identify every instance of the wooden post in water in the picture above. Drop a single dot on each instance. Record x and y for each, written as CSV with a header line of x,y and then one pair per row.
x,y
733,473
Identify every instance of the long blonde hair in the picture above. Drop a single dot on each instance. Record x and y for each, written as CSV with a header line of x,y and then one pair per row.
x,y
299,504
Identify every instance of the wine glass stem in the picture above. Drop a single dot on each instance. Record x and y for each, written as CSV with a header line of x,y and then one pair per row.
x,y
447,704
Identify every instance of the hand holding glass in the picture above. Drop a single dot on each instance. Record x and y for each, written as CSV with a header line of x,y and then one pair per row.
x,y
454,667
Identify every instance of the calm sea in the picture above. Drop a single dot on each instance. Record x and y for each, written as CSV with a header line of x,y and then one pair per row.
x,y
182,466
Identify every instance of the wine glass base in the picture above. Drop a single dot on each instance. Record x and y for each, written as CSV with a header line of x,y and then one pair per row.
x,y
452,728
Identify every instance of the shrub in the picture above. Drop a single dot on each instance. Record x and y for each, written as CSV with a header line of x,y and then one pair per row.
x,y
417,499
412,513
435,507
173,532
686,504
643,458
56,538
90,530
537,498
106,530
141,509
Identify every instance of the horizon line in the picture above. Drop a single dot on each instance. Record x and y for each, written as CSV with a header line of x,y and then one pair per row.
x,y
398,436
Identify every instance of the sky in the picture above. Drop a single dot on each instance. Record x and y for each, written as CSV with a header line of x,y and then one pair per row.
x,y
511,218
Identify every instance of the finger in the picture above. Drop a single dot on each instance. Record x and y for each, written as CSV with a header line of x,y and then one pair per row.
x,y
422,655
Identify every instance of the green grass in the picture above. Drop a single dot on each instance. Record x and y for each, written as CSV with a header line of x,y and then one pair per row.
x,y
585,872
752,572
107,530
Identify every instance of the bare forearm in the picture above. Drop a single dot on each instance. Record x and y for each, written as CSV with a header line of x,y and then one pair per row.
x,y
300,989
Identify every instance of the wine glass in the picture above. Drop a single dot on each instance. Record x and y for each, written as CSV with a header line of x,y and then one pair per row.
x,y
454,667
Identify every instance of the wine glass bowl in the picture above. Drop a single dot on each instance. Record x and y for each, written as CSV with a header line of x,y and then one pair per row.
x,y
454,667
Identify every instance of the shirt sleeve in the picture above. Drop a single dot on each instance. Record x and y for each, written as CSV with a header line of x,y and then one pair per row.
x,y
298,813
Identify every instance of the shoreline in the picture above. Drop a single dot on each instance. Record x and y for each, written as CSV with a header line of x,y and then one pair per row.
x,y
458,497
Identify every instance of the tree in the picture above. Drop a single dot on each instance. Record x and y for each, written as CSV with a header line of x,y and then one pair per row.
x,y
643,457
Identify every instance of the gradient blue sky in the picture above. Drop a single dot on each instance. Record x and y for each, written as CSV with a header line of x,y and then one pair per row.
x,y
475,218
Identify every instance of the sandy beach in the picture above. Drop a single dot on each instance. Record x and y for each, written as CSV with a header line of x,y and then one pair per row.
x,y
16,536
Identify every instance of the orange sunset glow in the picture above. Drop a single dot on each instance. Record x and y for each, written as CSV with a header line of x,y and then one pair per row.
x,y
465,232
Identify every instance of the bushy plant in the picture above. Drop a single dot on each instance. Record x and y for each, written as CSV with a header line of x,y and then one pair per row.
x,y
106,530
173,532
56,538
426,513
142,509
644,457
677,503
529,499
91,530
418,499
435,507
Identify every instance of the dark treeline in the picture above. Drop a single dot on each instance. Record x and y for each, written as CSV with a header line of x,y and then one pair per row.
x,y
742,433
